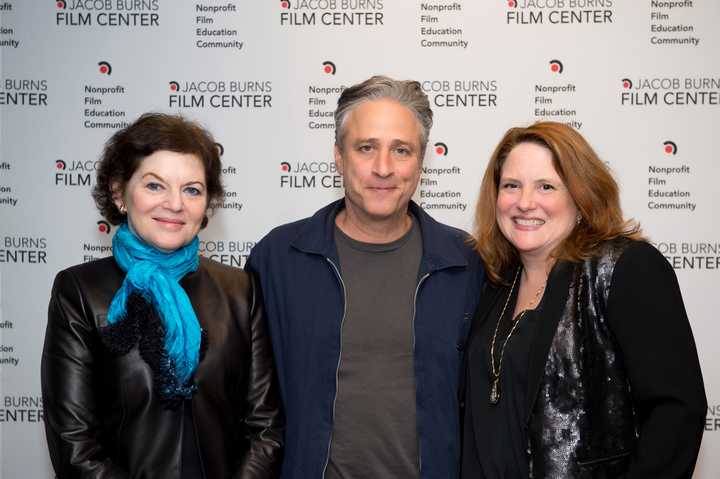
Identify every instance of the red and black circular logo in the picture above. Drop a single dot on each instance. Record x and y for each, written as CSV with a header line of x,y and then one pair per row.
x,y
104,227
329,67
105,68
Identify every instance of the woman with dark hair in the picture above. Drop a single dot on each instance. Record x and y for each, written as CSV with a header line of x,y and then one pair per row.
x,y
157,362
581,362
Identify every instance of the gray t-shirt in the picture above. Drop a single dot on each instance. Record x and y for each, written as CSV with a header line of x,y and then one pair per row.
x,y
374,433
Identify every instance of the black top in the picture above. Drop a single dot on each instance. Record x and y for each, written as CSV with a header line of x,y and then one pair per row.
x,y
374,426
647,316
505,421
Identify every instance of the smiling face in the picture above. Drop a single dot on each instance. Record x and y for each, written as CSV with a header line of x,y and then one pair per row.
x,y
380,161
166,199
534,209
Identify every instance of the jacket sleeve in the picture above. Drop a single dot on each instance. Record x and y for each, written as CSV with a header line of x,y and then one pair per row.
x,y
68,388
647,315
257,265
265,421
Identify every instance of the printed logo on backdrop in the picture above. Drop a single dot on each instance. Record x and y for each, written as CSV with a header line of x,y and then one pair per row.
x,y
558,12
105,68
439,176
220,94
441,149
8,29
98,243
231,198
315,14
7,197
100,100
322,99
232,253
213,26
329,67
462,93
670,147
23,92
668,180
311,175
104,227
679,92
441,25
23,250
111,14
554,99
8,358
690,256
671,23
74,173
18,409
712,419
6,325
556,66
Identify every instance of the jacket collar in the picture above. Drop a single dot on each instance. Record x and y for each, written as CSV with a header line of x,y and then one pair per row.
x,y
553,309
317,237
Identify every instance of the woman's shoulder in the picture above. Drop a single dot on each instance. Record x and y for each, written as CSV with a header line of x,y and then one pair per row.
x,y
631,250
220,269
220,282
87,287
623,250
91,274
230,276
93,268
639,259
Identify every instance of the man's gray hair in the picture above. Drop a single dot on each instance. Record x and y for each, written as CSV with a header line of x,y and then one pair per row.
x,y
408,93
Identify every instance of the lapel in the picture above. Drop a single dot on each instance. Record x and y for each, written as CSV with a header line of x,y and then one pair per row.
x,y
554,303
488,297
476,360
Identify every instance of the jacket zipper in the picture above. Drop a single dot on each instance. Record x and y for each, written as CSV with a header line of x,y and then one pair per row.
x,y
337,368
417,290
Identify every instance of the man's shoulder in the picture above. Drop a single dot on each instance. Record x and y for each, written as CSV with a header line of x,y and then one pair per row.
x,y
450,232
444,233
284,233
280,238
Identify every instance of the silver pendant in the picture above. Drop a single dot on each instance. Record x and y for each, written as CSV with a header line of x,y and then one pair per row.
x,y
495,391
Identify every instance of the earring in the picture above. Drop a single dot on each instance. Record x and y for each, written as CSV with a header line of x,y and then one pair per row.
x,y
578,219
123,210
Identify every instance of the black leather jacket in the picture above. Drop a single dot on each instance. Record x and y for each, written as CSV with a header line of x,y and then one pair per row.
x,y
103,417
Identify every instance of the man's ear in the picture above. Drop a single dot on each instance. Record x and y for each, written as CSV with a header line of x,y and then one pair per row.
x,y
338,159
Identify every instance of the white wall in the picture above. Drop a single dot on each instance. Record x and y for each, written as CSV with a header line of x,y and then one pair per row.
x,y
497,61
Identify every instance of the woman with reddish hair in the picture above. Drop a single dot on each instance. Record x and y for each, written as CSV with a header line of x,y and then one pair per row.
x,y
581,362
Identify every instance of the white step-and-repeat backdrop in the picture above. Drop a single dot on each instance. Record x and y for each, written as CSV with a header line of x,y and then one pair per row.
x,y
641,79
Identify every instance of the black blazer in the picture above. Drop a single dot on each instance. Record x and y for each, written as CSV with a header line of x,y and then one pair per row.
x,y
647,319
103,417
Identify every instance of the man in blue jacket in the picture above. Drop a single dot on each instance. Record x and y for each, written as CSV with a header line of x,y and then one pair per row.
x,y
369,303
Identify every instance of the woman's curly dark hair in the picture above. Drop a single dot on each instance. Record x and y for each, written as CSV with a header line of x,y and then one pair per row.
x,y
152,132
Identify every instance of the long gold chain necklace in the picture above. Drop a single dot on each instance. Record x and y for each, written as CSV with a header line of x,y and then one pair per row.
x,y
495,374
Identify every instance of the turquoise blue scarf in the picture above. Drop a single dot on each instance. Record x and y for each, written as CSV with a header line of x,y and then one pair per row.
x,y
155,274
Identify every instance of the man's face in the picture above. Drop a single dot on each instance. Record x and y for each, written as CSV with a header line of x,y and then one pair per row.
x,y
380,160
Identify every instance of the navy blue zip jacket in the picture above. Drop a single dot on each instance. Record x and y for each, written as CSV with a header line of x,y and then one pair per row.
x,y
298,268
